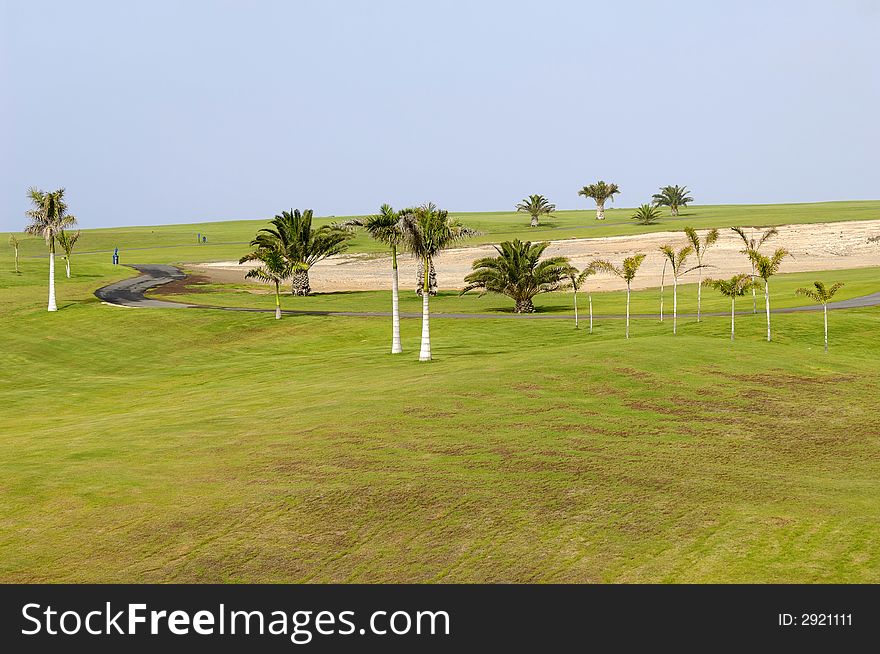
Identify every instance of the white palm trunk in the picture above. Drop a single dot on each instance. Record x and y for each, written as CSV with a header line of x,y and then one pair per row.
x,y
754,292
52,305
662,282
590,296
699,290
396,347
600,211
767,304
675,305
67,265
627,309
534,222
576,310
825,312
277,301
732,316
425,351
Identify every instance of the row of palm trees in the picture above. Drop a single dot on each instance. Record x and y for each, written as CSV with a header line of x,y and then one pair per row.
x,y
673,196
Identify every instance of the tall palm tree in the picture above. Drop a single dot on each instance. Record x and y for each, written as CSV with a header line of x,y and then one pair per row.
x,y
536,206
626,272
67,241
700,249
275,269
765,268
646,214
48,218
754,242
14,243
821,295
577,279
518,272
735,287
677,261
673,197
384,227
427,231
600,192
301,244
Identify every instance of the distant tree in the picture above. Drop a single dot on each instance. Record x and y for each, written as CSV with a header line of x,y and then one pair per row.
x,y
427,231
14,243
600,192
67,241
700,249
673,197
754,242
735,287
821,295
626,272
678,262
765,268
536,206
276,269
301,244
48,219
576,280
384,227
646,214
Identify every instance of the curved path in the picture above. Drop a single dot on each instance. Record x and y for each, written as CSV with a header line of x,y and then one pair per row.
x,y
130,293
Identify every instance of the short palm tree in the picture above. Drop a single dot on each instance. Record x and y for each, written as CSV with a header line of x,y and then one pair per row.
x,y
754,242
427,231
577,279
673,197
735,287
678,263
626,272
536,206
14,243
765,268
276,269
301,244
67,241
384,227
518,272
48,219
821,295
646,214
700,249
600,192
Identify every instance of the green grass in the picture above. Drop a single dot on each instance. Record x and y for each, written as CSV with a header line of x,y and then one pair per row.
x,y
228,240
195,446
858,282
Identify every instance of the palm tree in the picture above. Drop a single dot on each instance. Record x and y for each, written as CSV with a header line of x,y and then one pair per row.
x,y
700,249
427,231
821,295
677,261
626,272
600,192
301,244
48,218
673,197
735,287
646,214
536,206
577,279
384,227
765,268
14,243
275,269
754,242
67,241
518,272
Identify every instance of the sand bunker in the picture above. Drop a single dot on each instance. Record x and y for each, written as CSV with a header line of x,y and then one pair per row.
x,y
818,246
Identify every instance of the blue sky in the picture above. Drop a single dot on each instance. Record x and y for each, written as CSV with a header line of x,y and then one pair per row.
x,y
162,112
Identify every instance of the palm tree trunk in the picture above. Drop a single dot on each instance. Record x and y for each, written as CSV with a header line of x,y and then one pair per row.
x,y
52,305
825,312
590,296
754,292
299,283
576,310
67,265
675,305
699,291
673,210
16,259
732,316
277,300
534,222
396,347
627,309
425,351
600,210
767,303
662,282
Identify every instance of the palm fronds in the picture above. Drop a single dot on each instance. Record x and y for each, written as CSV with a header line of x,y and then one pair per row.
x,y
820,293
673,197
536,206
600,191
646,214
